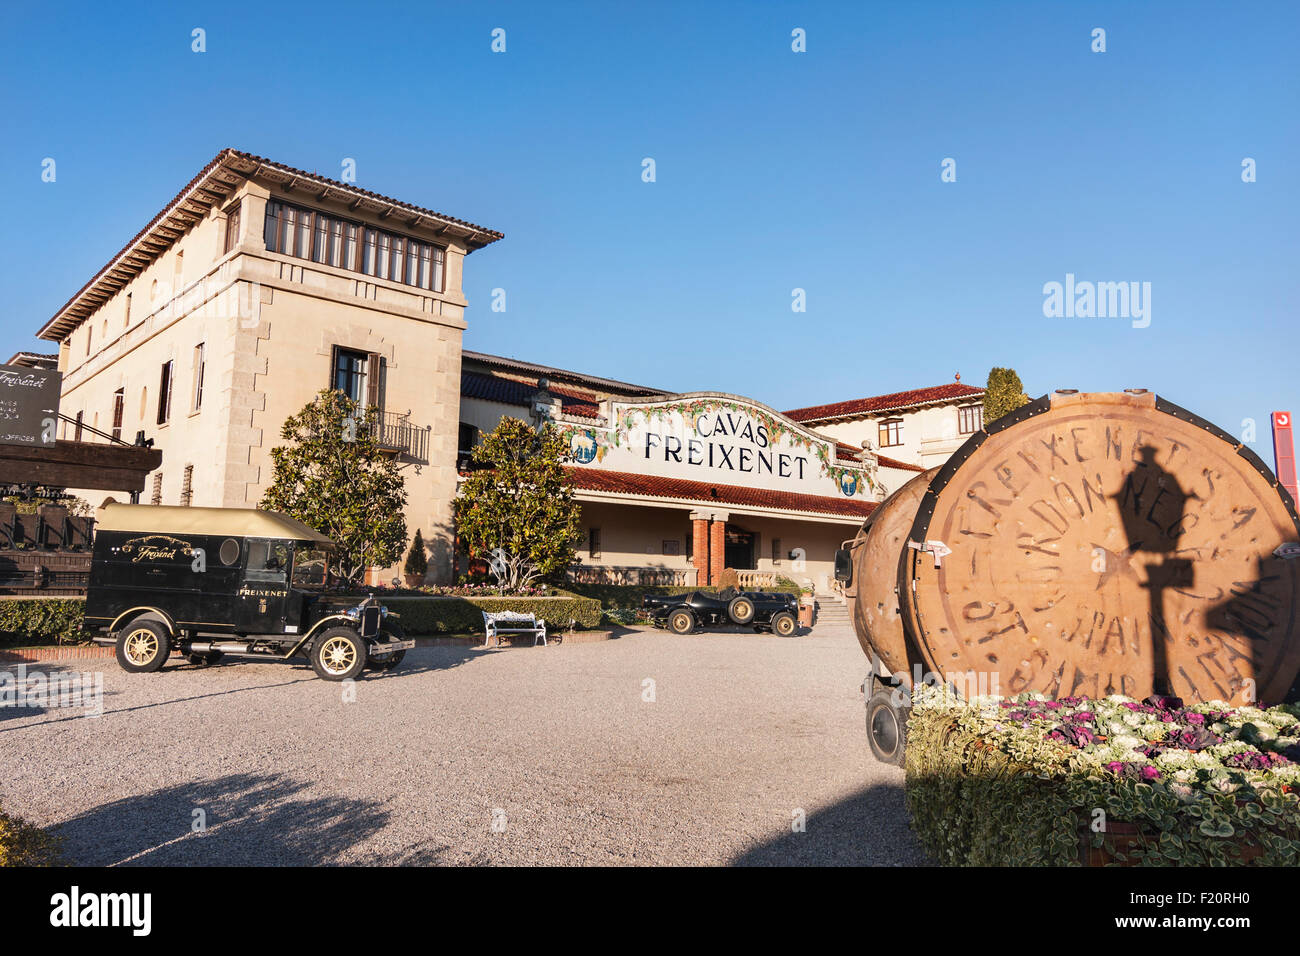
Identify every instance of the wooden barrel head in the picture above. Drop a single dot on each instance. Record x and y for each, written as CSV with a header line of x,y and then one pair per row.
x,y
875,577
1107,543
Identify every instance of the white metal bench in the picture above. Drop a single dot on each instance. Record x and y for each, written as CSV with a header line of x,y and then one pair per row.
x,y
496,623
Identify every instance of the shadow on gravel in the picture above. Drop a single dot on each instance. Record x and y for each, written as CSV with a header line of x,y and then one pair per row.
x,y
251,820
868,829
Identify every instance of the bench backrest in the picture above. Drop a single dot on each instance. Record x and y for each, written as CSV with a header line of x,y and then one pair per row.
x,y
508,617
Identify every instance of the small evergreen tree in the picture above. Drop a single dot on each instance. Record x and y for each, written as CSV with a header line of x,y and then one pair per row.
x,y
416,563
1002,394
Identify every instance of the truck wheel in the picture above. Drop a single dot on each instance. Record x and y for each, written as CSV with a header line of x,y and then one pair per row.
x,y
784,624
681,621
741,609
143,647
393,633
886,727
338,653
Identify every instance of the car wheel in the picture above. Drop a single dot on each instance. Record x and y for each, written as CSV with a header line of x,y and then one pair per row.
x,y
391,632
681,621
784,624
338,653
741,609
886,727
143,647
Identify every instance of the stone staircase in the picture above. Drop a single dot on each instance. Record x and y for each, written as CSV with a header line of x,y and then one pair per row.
x,y
831,611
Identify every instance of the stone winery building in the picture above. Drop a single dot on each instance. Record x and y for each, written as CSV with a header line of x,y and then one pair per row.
x,y
259,284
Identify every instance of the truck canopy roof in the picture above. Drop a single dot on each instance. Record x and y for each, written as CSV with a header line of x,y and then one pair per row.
x,y
240,522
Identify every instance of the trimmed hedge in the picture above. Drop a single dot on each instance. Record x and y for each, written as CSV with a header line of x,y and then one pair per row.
x,y
22,844
52,621
456,615
985,789
25,621
628,596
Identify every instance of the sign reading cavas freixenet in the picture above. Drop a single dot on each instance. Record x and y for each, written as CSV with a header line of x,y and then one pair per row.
x,y
719,439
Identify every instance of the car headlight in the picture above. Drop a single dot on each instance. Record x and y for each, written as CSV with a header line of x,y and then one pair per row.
x,y
353,613
383,612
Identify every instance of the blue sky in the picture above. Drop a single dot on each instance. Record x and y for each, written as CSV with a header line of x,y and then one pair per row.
x,y
775,170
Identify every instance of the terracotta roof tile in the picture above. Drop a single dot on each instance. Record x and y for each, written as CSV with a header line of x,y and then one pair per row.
x,y
885,403
886,462
658,486
492,388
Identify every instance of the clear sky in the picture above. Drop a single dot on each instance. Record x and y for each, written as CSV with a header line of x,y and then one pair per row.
x,y
775,171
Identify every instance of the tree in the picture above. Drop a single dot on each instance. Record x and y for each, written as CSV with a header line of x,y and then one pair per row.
x,y
1002,394
416,563
517,506
332,477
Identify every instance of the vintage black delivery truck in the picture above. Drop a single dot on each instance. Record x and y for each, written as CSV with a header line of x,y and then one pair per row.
x,y
213,581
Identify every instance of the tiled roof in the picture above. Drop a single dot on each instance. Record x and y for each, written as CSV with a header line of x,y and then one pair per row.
x,y
705,492
214,183
895,401
34,360
609,385
895,463
492,388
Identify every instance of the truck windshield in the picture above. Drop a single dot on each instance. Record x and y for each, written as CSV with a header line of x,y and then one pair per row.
x,y
309,566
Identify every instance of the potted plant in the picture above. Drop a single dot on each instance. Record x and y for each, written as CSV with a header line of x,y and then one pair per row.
x,y
416,563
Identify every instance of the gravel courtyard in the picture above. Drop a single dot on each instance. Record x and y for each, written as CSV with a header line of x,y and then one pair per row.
x,y
470,756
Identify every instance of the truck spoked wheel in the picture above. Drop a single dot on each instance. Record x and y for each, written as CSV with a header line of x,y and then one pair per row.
x,y
886,728
338,654
784,624
741,610
142,647
681,622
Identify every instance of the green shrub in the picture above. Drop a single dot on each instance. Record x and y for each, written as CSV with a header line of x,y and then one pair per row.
x,y
26,621
988,785
22,844
456,615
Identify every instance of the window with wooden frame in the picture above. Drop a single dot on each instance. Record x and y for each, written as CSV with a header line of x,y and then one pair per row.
x,y
593,542
970,418
891,432
165,393
330,240
119,409
348,373
200,366
232,228
776,551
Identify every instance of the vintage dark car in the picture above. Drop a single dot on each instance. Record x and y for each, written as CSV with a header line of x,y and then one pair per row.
x,y
214,581
764,610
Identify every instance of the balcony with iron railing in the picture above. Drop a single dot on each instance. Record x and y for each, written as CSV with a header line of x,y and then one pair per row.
x,y
397,434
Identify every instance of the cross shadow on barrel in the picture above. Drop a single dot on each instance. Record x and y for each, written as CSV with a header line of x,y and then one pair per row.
x,y
1152,507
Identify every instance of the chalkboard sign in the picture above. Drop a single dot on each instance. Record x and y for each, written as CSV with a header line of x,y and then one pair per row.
x,y
29,405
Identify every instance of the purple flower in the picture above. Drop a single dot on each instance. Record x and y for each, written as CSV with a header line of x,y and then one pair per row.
x,y
1255,760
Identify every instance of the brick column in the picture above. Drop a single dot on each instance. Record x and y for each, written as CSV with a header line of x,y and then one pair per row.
x,y
700,547
717,547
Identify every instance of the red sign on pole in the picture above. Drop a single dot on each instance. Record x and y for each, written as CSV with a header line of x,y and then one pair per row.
x,y
1284,452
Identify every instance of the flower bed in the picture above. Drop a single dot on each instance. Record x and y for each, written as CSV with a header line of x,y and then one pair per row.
x,y
1030,781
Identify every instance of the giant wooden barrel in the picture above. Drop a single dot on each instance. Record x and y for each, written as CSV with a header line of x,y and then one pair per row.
x,y
1090,544
873,587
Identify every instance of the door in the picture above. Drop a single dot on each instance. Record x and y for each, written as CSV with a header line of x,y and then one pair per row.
x,y
739,549
264,591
